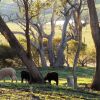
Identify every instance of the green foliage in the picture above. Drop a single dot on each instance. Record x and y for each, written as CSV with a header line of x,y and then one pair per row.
x,y
6,52
87,55
8,56
86,49
72,48
92,54
35,8
72,45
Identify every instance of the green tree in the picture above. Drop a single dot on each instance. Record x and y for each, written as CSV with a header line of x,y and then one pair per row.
x,y
6,32
94,23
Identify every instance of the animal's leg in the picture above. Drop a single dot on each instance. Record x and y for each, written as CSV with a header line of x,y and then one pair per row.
x,y
56,82
16,79
12,81
50,82
22,80
11,77
4,80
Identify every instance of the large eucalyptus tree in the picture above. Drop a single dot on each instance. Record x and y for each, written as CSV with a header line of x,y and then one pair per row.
x,y
9,36
95,30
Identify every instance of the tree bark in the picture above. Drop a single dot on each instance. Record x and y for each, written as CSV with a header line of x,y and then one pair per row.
x,y
51,55
41,47
60,54
78,26
6,32
27,27
96,79
42,57
94,23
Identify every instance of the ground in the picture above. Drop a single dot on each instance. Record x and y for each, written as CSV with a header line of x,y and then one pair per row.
x,y
16,91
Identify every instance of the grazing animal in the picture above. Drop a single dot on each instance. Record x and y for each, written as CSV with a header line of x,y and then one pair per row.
x,y
51,76
8,72
25,76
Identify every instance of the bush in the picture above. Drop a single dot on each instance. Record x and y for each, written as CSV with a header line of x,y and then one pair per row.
x,y
72,48
7,52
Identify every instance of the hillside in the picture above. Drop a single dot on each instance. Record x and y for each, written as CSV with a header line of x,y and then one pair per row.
x,y
8,7
97,1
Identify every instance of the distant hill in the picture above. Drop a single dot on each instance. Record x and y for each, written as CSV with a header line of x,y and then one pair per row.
x,y
97,1
6,1
8,7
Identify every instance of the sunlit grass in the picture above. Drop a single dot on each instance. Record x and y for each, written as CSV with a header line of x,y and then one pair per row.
x,y
14,27
87,37
86,32
84,80
52,92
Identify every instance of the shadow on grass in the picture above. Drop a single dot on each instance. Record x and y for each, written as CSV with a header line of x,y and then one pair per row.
x,y
53,91
61,92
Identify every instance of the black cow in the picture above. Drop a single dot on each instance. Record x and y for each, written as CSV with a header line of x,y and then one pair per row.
x,y
25,76
51,76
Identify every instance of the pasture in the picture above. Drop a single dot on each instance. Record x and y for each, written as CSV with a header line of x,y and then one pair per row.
x,y
24,91
16,91
86,33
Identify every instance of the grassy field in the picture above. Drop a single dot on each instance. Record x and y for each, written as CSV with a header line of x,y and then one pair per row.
x,y
87,36
19,91
86,33
16,91
51,92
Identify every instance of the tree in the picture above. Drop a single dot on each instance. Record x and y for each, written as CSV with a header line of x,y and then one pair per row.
x,y
95,30
51,55
26,20
6,32
77,31
55,59
27,28
67,12
78,27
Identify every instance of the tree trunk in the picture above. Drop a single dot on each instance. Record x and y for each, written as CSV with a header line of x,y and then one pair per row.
x,y
5,31
41,47
76,58
27,28
42,57
41,50
94,23
51,55
96,82
60,54
60,58
78,27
